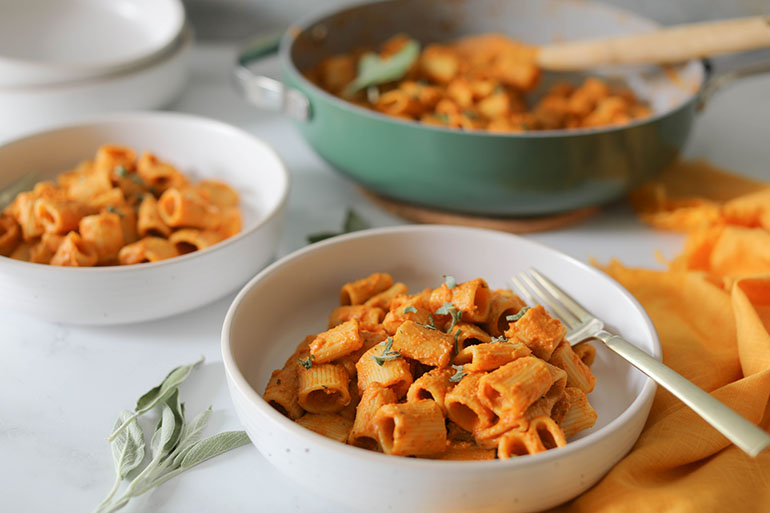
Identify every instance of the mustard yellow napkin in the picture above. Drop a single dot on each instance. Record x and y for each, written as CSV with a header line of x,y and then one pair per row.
x,y
712,312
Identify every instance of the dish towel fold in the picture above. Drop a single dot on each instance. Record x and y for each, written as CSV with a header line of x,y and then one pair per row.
x,y
711,309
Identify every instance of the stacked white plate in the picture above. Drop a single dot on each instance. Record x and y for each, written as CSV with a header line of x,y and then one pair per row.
x,y
64,59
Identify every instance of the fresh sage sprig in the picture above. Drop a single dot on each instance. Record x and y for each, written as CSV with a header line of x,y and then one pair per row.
x,y
515,317
374,70
175,445
158,394
449,309
353,223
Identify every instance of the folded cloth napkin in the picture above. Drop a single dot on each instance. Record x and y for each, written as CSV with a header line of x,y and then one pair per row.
x,y
711,309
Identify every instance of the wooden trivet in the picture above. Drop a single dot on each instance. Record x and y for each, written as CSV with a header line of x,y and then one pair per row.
x,y
426,215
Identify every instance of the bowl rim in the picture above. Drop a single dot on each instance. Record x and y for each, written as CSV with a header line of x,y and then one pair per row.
x,y
174,117
291,428
179,47
173,27
306,23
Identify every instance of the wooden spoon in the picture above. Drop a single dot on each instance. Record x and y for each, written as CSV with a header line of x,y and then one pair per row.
x,y
668,45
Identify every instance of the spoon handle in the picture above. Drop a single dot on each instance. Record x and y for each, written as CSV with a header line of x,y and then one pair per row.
x,y
667,45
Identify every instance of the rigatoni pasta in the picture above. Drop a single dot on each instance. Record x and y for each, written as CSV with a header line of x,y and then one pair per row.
x,y
117,209
427,379
479,83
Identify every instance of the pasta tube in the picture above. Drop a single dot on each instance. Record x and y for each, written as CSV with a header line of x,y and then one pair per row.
x,y
467,334
428,346
433,385
464,407
323,388
148,220
411,428
394,374
501,304
10,235
385,298
157,175
148,249
357,292
281,391
364,434
331,426
578,373
336,342
188,240
538,331
368,317
220,194
105,233
513,388
186,207
579,415
75,252
486,357
58,217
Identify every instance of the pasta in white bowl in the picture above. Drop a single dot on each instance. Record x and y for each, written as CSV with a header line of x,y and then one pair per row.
x,y
293,297
203,150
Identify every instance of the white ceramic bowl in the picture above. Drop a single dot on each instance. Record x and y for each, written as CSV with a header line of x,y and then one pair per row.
x,y
154,84
293,298
45,42
199,147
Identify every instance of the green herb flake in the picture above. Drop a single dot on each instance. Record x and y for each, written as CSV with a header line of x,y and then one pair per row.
x,y
387,354
443,117
138,180
449,309
113,210
306,363
457,376
374,70
410,309
449,281
496,340
353,223
517,316
458,332
121,171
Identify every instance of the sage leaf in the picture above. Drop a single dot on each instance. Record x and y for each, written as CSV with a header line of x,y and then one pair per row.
x,y
375,70
158,394
214,446
353,223
165,432
128,446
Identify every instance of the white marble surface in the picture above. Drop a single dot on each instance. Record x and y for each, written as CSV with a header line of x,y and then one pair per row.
x,y
61,386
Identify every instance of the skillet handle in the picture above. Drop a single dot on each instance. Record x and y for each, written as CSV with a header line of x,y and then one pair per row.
x,y
265,92
722,80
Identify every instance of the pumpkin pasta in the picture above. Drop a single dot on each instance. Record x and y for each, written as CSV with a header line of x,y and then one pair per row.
x,y
117,209
408,383
478,82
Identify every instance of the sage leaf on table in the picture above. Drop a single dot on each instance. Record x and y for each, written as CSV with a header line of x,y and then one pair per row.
x,y
158,394
374,70
127,450
353,223
175,445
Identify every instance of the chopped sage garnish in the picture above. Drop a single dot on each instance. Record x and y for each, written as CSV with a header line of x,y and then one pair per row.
x,y
113,210
449,281
410,309
515,317
458,332
457,376
121,171
387,354
353,223
449,309
501,338
306,363
375,70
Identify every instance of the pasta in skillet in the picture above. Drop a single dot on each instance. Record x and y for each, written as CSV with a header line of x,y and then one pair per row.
x,y
459,372
117,209
479,83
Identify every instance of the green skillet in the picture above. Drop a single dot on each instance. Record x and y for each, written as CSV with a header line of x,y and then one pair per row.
x,y
517,174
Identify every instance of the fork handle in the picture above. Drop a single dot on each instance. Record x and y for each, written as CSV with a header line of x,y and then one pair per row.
x,y
747,436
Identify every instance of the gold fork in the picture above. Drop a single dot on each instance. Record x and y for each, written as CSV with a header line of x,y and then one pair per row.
x,y
582,325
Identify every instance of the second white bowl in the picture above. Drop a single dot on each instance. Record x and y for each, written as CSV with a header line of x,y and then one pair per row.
x,y
293,297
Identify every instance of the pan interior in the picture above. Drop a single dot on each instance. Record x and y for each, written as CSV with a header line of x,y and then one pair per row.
x,y
536,22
